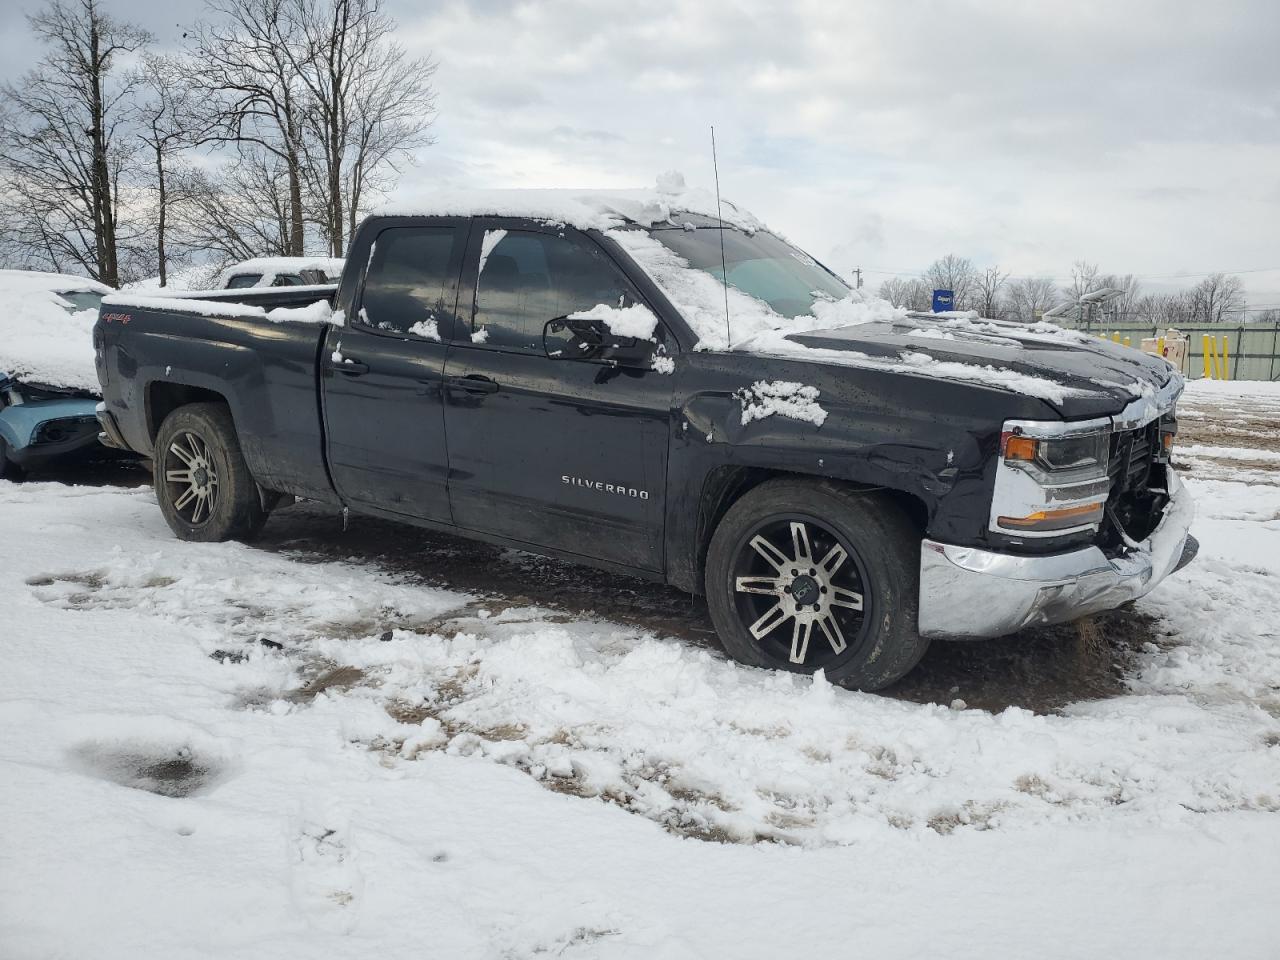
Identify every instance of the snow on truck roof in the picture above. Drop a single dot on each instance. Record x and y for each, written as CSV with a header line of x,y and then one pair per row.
x,y
585,209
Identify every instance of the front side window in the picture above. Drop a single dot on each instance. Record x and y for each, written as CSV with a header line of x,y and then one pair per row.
x,y
529,278
411,285
287,280
242,281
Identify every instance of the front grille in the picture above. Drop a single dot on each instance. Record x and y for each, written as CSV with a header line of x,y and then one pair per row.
x,y
1132,455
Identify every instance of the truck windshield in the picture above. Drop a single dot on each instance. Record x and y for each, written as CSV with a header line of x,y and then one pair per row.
x,y
759,264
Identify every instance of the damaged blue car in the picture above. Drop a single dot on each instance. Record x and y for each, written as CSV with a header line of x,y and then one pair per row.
x,y
48,387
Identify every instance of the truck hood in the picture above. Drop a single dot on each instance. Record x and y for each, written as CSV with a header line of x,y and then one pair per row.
x,y
1099,378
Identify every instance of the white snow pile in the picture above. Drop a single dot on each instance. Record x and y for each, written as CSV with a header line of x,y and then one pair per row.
x,y
321,311
42,337
795,401
427,329
636,321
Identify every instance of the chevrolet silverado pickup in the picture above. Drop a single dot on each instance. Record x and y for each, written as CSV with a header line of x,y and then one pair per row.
x,y
659,386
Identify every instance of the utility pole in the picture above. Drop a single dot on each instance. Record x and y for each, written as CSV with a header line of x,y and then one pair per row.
x,y
857,272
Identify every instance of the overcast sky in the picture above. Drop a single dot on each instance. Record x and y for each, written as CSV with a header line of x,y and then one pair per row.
x,y
1140,134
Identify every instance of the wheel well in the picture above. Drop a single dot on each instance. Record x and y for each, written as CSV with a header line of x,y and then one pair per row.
x,y
163,398
726,485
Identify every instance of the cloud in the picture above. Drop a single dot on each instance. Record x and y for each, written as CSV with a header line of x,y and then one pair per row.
x,y
1142,134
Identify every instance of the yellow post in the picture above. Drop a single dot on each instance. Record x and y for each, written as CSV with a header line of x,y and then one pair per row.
x,y
1115,338
1205,352
1160,345
1226,374
1127,342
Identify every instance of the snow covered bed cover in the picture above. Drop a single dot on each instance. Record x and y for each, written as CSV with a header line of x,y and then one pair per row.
x,y
217,751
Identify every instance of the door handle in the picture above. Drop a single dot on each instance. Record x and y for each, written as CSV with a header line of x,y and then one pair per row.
x,y
474,383
349,367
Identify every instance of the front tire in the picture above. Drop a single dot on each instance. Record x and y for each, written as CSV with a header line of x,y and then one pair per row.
x,y
805,575
201,480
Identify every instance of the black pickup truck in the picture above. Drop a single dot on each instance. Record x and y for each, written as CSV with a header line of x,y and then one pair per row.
x,y
844,485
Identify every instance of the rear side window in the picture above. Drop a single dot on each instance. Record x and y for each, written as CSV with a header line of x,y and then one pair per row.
x,y
412,282
528,278
242,280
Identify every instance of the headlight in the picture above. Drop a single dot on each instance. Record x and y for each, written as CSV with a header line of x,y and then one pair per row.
x,y
1084,454
1052,483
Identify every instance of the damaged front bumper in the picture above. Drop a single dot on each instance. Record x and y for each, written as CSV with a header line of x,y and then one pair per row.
x,y
968,592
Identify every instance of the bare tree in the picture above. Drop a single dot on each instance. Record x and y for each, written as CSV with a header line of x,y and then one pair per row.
x,y
368,105
1166,309
166,112
987,299
1218,298
955,274
913,293
63,143
245,66
242,211
1084,279
1029,297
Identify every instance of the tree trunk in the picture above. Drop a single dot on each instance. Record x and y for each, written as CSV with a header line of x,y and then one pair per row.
x,y
103,214
162,198
295,206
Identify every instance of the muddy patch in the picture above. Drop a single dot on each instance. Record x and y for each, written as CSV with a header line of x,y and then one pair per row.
x,y
1041,670
164,770
326,677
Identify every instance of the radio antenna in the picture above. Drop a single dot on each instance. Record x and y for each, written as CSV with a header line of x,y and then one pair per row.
x,y
724,271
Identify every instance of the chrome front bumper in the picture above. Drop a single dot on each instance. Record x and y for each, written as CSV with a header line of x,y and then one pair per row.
x,y
967,592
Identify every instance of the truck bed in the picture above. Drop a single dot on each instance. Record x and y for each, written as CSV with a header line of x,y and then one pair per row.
x,y
155,353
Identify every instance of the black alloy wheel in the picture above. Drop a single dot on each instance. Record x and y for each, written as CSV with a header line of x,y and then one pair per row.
x,y
800,590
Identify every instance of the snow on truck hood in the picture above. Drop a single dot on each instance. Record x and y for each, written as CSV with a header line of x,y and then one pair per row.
x,y
40,340
1079,375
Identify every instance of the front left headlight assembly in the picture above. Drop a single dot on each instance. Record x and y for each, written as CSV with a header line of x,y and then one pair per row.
x,y
1051,485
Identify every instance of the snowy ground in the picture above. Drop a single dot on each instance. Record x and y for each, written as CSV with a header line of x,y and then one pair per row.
x,y
221,750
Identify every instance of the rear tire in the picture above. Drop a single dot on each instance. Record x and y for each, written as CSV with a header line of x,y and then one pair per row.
x,y
803,575
201,480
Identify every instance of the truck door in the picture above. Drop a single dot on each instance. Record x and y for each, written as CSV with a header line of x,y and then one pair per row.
x,y
560,453
382,373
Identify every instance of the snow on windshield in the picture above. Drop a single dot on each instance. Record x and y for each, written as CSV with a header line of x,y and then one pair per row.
x,y
753,325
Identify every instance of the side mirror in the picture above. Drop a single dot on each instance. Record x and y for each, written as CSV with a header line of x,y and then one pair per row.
x,y
585,338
